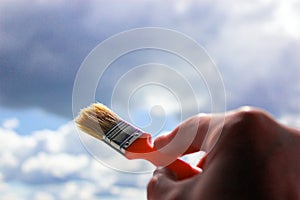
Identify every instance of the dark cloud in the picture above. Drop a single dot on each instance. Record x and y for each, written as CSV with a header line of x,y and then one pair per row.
x,y
43,43
43,47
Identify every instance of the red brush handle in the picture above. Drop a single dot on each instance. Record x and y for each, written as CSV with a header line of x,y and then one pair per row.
x,y
182,169
142,149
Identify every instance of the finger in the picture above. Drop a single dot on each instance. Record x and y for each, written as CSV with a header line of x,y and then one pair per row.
x,y
186,138
161,184
163,171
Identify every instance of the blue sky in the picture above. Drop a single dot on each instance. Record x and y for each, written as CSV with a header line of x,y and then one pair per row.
x,y
255,46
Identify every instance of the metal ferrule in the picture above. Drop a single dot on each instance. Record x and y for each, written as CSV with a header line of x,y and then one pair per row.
x,y
121,136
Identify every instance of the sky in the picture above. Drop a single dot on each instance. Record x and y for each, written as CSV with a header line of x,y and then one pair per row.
x,y
254,45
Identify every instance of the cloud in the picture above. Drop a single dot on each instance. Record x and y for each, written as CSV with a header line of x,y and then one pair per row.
x,y
57,166
43,44
43,196
67,171
255,46
40,54
61,171
166,89
11,123
292,120
257,56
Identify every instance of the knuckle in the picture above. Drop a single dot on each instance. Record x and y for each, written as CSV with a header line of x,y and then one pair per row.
x,y
245,124
246,118
251,111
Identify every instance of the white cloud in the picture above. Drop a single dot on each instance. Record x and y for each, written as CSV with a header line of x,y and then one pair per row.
x,y
43,196
11,123
9,160
11,196
288,17
15,146
9,192
72,190
68,174
291,120
256,51
56,161
57,165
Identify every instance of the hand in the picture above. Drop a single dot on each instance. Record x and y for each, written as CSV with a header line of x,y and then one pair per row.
x,y
254,158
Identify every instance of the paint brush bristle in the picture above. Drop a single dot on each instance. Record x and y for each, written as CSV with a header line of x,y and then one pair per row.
x,y
96,120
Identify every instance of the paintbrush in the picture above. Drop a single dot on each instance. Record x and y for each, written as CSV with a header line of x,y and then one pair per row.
x,y
102,123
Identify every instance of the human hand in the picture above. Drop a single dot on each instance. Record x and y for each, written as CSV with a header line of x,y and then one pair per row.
x,y
254,158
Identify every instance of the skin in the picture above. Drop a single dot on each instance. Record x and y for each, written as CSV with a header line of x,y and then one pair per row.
x,y
254,158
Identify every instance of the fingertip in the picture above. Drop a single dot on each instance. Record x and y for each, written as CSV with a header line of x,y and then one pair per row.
x,y
158,142
161,141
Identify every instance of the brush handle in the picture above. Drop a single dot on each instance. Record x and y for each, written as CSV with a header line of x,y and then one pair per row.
x,y
142,148
182,169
